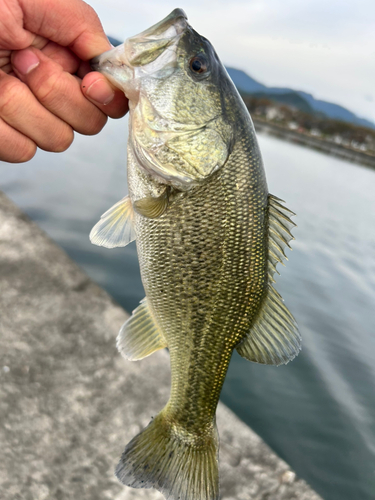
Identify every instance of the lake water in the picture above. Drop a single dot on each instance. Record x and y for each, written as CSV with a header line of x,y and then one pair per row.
x,y
318,411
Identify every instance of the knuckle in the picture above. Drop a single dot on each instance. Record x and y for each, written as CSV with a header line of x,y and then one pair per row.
x,y
119,113
28,153
11,92
95,125
92,16
59,138
17,150
49,89
62,141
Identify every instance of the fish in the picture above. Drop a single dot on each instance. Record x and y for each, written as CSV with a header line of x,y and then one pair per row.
x,y
209,237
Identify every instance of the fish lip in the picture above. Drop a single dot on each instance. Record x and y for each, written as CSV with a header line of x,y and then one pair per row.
x,y
95,63
118,63
113,65
142,55
112,57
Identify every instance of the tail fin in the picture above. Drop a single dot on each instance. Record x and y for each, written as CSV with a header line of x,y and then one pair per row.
x,y
180,467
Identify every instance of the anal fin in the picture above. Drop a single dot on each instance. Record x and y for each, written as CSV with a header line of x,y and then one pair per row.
x,y
115,227
140,336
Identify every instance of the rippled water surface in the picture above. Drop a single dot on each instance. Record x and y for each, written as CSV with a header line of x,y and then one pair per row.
x,y
318,411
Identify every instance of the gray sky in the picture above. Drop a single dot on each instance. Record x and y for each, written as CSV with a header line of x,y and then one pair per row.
x,y
325,47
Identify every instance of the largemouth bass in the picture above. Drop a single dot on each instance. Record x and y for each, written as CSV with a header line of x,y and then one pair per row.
x,y
209,237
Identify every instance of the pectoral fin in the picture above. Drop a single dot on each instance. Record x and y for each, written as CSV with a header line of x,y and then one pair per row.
x,y
274,338
140,336
151,207
115,228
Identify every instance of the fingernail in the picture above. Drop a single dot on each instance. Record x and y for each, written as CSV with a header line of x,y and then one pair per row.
x,y
25,61
100,92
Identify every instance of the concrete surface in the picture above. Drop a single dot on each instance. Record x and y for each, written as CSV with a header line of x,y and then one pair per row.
x,y
69,402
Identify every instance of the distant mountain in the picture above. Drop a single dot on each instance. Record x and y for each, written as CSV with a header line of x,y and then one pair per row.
x,y
288,97
301,100
114,41
244,82
335,111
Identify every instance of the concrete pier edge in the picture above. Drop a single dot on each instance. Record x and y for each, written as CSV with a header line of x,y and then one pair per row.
x,y
69,402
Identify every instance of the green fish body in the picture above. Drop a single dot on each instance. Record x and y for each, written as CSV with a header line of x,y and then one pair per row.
x,y
208,237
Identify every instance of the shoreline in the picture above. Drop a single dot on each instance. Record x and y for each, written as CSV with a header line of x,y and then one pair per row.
x,y
311,142
70,402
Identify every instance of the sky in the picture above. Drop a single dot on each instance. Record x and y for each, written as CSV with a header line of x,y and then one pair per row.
x,y
324,47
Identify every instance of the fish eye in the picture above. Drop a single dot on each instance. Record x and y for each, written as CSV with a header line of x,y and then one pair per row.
x,y
198,64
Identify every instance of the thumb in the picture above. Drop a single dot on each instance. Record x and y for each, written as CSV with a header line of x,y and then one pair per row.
x,y
104,95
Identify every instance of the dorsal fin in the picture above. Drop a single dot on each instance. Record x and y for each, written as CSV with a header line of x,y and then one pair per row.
x,y
274,338
279,235
140,336
115,227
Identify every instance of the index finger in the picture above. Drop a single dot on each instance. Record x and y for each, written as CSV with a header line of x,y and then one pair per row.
x,y
70,23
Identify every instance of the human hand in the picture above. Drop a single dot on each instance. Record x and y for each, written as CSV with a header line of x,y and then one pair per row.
x,y
47,90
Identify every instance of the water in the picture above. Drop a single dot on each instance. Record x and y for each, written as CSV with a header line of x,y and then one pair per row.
x,y
318,411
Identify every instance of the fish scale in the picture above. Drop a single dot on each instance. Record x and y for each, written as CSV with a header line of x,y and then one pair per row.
x,y
228,283
209,237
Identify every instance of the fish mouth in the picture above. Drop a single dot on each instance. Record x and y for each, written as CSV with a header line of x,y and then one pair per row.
x,y
143,54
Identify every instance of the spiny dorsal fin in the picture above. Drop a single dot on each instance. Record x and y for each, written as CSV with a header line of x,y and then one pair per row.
x,y
151,207
279,235
274,338
140,336
115,228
